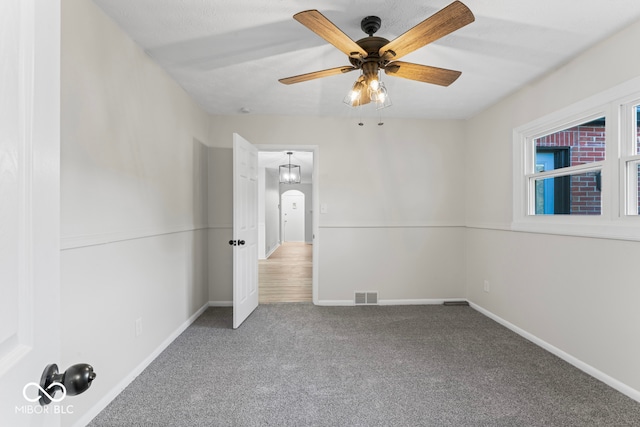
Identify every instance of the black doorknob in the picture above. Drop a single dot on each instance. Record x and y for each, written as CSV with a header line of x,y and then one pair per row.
x,y
240,242
75,380
233,242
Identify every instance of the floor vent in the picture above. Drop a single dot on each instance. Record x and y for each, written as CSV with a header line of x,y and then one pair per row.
x,y
463,303
366,298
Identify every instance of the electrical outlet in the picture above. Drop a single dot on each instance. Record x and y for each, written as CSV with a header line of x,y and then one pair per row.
x,y
139,326
486,286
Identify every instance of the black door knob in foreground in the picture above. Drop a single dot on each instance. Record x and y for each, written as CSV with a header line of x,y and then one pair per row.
x,y
233,242
240,242
75,380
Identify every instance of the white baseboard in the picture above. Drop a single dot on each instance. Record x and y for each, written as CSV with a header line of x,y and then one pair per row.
x,y
610,381
220,304
115,391
272,251
349,302
437,301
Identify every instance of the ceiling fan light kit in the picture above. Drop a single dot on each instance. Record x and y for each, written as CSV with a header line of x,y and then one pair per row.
x,y
374,54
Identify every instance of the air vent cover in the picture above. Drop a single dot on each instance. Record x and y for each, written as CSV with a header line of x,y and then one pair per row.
x,y
366,298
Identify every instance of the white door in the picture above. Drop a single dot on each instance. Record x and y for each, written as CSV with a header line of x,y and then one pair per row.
x,y
29,206
245,229
293,216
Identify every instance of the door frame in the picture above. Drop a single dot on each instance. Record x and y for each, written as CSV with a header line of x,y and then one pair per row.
x,y
315,207
561,185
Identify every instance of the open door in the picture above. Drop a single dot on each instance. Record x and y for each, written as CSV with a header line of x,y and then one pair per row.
x,y
245,229
29,211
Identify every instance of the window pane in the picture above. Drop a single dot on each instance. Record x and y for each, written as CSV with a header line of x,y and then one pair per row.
x,y
574,146
569,195
634,189
636,112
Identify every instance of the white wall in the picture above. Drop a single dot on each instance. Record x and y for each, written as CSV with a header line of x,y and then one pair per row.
x,y
577,294
220,224
268,211
272,211
133,204
385,189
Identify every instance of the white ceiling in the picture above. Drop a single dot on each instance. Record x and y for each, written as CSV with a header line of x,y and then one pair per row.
x,y
229,55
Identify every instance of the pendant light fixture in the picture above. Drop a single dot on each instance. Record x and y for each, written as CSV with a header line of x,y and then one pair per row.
x,y
290,174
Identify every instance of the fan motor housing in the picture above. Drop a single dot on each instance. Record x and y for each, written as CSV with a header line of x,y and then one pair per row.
x,y
371,45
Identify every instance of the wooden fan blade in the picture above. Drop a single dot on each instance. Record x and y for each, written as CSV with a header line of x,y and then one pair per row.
x,y
316,75
422,73
447,20
319,24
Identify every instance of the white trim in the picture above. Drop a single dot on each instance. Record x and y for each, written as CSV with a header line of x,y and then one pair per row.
x,y
396,224
83,241
272,251
220,304
315,208
426,301
26,171
15,355
610,381
115,391
489,226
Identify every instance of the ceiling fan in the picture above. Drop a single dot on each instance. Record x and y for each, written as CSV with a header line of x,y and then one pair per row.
x,y
372,54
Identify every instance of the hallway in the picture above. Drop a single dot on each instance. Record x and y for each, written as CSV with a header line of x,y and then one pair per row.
x,y
286,275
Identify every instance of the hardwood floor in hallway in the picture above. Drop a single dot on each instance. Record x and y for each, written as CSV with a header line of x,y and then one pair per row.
x,y
286,275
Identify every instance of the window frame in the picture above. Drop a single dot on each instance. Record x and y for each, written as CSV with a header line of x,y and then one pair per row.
x,y
616,219
628,158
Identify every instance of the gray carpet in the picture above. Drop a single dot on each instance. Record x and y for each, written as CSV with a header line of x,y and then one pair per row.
x,y
301,365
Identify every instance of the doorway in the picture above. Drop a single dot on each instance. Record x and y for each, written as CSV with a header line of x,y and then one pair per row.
x,y
552,195
287,270
293,216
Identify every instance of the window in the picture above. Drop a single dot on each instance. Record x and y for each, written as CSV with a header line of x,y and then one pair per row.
x,y
560,186
631,147
577,171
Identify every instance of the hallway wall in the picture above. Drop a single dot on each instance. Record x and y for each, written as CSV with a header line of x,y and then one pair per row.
x,y
133,205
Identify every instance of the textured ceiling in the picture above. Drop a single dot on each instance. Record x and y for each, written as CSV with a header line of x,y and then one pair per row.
x,y
229,55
